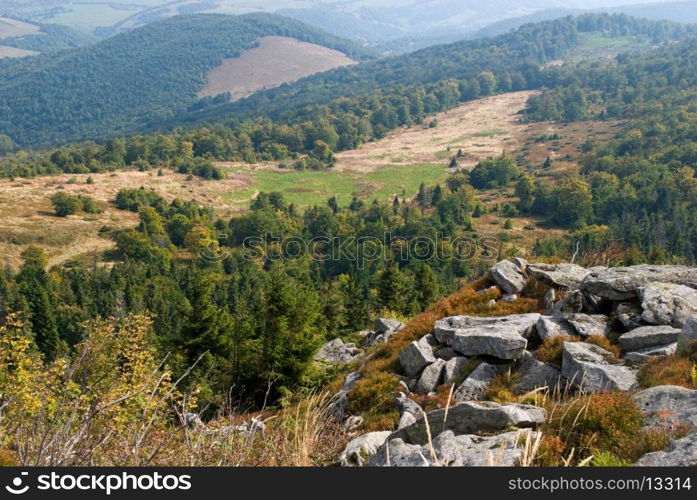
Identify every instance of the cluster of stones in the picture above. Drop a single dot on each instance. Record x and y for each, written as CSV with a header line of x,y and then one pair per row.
x,y
652,310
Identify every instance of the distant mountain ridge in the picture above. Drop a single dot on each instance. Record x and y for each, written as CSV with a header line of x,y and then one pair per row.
x,y
140,76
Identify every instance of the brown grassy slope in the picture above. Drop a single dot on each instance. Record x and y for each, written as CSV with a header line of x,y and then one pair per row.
x,y
277,60
14,52
12,28
26,215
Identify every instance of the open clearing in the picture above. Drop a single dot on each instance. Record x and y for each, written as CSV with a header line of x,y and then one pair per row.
x,y
277,60
10,28
26,213
393,166
13,52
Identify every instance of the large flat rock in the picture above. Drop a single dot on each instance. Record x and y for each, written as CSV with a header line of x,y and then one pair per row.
x,y
472,417
648,337
503,337
567,276
588,366
668,405
623,283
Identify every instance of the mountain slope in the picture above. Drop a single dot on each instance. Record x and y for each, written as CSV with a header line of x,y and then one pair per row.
x,y
515,57
144,75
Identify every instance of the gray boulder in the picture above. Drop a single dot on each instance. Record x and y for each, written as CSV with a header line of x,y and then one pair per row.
x,y
431,377
337,352
534,374
588,366
587,325
510,297
453,369
359,450
668,405
409,410
474,387
567,276
472,417
648,336
508,277
388,325
623,283
503,337
415,357
469,450
498,342
681,453
629,314
668,304
688,334
549,327
644,355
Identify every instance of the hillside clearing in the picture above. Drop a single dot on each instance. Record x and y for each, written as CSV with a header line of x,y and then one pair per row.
x,y
14,52
12,28
394,166
277,60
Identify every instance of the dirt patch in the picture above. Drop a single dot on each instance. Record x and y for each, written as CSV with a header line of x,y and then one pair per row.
x,y
277,60
13,52
11,28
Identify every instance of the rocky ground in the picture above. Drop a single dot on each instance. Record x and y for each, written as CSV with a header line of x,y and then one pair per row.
x,y
606,323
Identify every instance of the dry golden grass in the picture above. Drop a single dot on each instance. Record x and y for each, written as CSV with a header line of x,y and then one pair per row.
x,y
275,61
26,215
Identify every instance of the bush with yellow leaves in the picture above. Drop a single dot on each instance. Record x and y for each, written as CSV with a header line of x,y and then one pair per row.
x,y
103,406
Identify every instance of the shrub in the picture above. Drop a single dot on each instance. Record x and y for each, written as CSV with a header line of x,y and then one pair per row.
x,y
65,204
668,370
551,351
604,423
88,205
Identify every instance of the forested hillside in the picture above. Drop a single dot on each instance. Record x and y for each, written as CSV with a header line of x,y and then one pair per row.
x,y
51,38
186,312
133,79
514,59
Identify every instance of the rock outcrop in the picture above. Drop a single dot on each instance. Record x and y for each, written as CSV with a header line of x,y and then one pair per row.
x,y
359,450
668,405
337,352
591,368
681,453
471,417
449,450
649,311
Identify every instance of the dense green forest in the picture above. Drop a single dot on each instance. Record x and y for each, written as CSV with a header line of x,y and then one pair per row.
x,y
514,59
127,81
642,184
239,294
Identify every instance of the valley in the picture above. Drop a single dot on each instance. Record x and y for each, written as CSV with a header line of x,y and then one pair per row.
x,y
393,166
244,241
